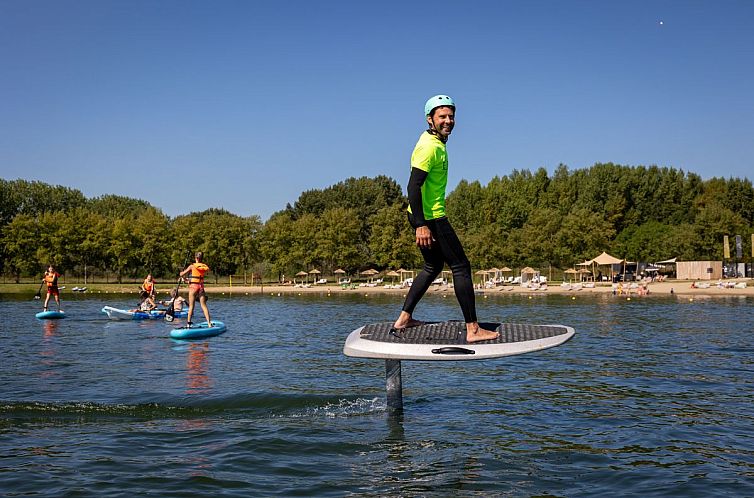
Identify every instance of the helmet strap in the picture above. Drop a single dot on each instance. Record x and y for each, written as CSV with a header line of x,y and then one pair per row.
x,y
433,131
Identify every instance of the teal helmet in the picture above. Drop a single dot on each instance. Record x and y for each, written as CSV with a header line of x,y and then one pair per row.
x,y
437,101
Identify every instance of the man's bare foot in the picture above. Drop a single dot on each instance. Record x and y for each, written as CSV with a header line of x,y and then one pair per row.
x,y
475,333
405,321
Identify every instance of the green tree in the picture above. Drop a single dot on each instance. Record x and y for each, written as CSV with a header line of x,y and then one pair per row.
x,y
250,256
584,234
117,206
275,241
336,240
56,247
393,241
124,245
712,224
88,234
304,233
152,230
647,242
20,240
486,247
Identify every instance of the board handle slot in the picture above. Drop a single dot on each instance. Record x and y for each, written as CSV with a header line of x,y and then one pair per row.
x,y
453,350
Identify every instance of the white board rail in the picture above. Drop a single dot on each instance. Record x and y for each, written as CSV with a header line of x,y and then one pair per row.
x,y
444,341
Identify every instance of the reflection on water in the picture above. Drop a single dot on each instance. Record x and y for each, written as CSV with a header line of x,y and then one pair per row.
x,y
197,369
49,327
48,350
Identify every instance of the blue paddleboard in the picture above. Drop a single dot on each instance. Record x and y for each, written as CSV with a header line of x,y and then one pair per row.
x,y
199,331
50,315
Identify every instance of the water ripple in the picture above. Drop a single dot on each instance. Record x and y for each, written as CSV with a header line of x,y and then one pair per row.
x,y
653,397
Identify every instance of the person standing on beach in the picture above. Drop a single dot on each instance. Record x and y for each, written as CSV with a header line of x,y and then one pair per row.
x,y
51,279
195,280
435,237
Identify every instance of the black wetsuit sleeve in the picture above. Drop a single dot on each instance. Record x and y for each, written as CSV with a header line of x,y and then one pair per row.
x,y
415,183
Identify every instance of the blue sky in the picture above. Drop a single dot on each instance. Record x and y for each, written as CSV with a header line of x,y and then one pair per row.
x,y
245,104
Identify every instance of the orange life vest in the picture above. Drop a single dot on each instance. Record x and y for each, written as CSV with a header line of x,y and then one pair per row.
x,y
198,270
51,279
148,286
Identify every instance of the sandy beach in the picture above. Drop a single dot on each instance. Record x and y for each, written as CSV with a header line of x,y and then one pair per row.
x,y
678,287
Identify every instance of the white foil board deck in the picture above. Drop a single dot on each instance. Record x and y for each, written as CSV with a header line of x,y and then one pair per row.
x,y
447,341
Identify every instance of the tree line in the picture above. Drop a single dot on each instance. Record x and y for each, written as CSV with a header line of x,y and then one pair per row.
x,y
521,219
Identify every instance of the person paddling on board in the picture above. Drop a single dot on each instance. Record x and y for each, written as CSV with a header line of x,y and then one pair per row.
x,y
51,279
197,271
176,300
148,287
435,237
145,304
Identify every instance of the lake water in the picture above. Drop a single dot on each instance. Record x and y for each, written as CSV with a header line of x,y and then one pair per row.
x,y
652,397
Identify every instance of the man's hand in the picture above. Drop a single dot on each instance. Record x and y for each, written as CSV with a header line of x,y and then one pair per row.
x,y
423,237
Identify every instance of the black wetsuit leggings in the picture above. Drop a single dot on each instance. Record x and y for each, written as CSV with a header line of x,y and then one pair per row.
x,y
446,248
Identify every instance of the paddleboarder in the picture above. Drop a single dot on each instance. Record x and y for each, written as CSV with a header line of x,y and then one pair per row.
x,y
435,237
51,279
175,300
196,272
148,287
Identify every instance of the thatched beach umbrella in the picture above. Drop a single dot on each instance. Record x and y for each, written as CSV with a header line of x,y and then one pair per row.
x,y
483,274
525,278
392,274
371,272
571,271
303,274
314,272
401,272
339,272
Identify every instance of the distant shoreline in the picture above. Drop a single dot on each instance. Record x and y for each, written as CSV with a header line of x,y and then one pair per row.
x,y
679,287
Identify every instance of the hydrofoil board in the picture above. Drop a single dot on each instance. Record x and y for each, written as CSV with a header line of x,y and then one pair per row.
x,y
447,341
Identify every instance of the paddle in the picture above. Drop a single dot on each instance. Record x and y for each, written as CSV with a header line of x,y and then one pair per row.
x,y
170,312
38,295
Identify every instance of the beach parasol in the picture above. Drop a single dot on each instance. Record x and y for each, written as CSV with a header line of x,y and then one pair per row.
x,y
393,274
371,272
483,274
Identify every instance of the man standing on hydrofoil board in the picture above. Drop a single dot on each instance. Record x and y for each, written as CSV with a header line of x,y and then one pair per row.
x,y
435,237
